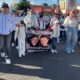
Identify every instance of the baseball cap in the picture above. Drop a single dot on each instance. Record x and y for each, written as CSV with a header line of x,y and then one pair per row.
x,y
5,5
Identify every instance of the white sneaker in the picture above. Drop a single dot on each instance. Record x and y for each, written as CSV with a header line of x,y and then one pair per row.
x,y
58,40
20,55
2,54
79,42
17,47
24,54
72,51
52,50
8,61
55,51
68,52
12,44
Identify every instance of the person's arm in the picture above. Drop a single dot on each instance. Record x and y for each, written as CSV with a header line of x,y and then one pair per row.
x,y
16,33
66,22
26,20
11,23
51,22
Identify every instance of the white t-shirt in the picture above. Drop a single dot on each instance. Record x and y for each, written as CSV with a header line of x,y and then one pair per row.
x,y
20,33
42,24
56,30
70,22
31,20
79,27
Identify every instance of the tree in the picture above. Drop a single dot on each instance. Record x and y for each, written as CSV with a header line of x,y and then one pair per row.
x,y
54,6
45,4
23,5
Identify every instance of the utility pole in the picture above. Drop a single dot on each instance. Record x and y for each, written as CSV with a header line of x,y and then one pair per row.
x,y
58,3
58,8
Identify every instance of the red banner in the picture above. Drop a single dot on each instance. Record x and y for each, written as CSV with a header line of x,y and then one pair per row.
x,y
43,9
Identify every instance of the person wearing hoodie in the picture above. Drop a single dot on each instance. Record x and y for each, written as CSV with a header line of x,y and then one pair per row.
x,y
6,29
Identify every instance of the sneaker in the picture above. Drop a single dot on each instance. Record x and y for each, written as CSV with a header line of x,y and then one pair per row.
x,y
68,52
72,51
17,47
58,40
55,51
79,42
2,54
12,44
20,55
52,50
23,54
8,61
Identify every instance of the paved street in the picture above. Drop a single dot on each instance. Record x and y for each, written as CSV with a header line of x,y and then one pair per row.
x,y
43,66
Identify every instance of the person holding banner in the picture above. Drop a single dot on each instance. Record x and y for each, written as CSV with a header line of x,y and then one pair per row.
x,y
70,24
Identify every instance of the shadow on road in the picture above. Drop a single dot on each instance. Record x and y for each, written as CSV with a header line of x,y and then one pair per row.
x,y
44,65
2,79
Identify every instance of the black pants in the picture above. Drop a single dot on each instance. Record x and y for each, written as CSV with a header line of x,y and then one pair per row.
x,y
62,33
79,35
12,39
13,33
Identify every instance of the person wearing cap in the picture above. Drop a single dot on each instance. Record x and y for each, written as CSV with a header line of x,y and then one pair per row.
x,y
70,24
6,29
55,26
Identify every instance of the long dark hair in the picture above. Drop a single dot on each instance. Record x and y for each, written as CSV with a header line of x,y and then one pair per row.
x,y
22,22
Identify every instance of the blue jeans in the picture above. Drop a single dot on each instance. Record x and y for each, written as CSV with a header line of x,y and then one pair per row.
x,y
54,43
71,38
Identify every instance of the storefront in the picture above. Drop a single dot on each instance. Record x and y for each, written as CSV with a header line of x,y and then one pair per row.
x,y
43,9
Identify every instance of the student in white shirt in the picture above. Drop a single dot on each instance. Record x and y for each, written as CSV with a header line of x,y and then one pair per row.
x,y
71,23
17,19
54,23
21,34
31,20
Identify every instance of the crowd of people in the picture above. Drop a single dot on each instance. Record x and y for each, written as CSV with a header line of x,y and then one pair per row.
x,y
14,27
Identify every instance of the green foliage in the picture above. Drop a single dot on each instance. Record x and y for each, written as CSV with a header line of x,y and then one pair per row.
x,y
23,5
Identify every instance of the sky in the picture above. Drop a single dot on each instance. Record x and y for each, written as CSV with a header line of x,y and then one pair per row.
x,y
34,1
45,1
